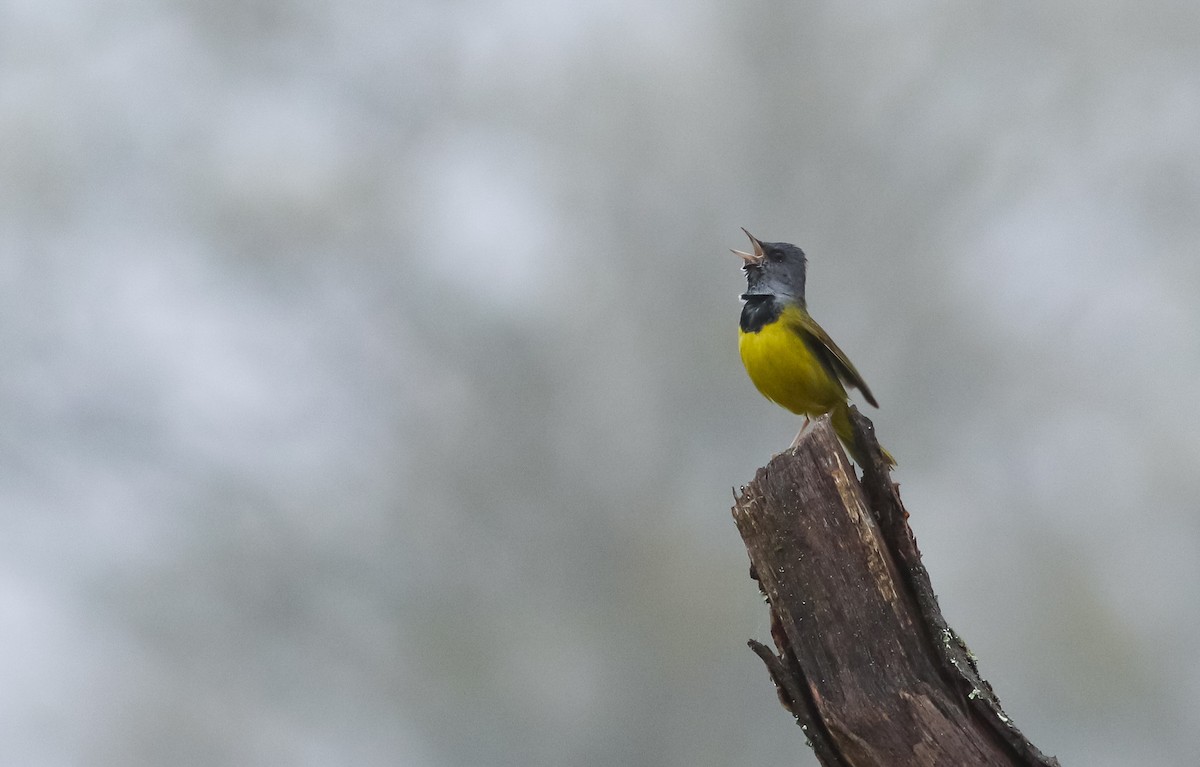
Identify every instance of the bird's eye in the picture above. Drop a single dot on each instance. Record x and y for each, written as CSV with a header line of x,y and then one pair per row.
x,y
775,254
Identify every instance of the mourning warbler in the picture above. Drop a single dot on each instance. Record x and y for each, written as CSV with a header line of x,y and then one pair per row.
x,y
789,357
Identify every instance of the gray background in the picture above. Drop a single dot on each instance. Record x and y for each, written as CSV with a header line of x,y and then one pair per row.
x,y
370,391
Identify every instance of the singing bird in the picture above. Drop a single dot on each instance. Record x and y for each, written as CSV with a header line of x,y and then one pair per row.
x,y
790,358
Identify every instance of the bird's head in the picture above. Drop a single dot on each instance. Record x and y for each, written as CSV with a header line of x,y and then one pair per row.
x,y
773,269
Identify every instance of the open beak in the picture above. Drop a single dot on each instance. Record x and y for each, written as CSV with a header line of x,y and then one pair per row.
x,y
754,258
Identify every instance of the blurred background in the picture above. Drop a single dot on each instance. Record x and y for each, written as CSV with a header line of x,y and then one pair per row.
x,y
370,391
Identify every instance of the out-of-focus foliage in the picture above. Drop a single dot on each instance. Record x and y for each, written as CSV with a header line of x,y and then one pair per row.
x,y
370,395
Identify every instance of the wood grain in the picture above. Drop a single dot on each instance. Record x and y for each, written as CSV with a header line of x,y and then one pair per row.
x,y
863,657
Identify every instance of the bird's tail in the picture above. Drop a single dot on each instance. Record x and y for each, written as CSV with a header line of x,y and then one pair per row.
x,y
840,416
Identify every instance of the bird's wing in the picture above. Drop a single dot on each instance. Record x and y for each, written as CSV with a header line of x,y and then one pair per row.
x,y
833,358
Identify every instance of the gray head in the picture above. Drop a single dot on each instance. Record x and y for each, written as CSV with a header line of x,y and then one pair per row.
x,y
774,269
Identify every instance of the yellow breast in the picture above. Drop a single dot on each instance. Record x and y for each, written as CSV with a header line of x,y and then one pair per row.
x,y
786,371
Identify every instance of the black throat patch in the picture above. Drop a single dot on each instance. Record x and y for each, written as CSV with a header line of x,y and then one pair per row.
x,y
758,312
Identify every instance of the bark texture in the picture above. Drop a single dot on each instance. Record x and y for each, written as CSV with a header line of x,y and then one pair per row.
x,y
863,659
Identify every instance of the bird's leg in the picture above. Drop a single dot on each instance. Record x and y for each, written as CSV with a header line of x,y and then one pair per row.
x,y
799,434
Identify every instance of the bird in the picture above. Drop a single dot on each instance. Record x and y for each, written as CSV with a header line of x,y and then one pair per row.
x,y
790,358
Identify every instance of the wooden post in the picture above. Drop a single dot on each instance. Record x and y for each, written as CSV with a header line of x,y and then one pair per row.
x,y
864,661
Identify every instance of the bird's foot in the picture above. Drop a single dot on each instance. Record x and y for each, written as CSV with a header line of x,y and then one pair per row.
x,y
800,434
